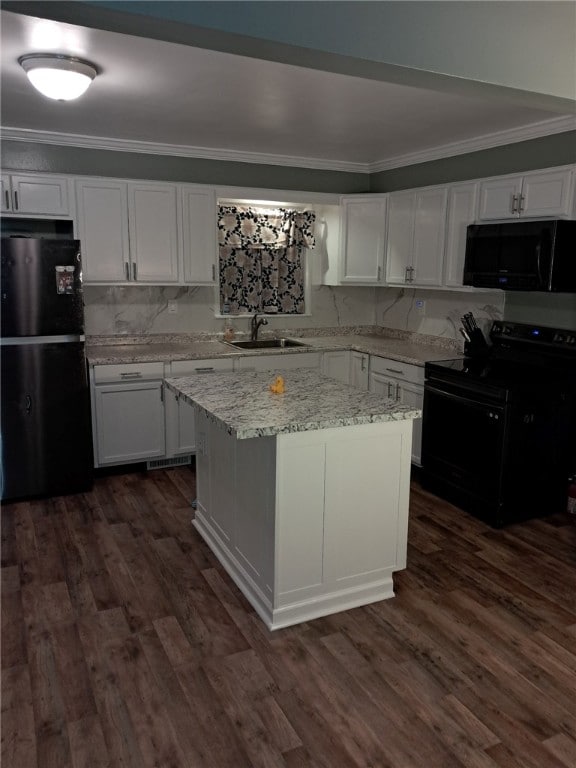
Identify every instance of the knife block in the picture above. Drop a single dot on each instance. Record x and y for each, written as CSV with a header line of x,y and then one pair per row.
x,y
477,346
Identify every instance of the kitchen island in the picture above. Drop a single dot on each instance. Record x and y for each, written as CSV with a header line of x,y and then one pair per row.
x,y
302,496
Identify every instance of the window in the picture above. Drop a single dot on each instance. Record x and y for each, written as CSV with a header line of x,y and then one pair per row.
x,y
261,253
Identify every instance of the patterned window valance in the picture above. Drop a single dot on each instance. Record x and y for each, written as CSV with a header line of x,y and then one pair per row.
x,y
261,258
243,227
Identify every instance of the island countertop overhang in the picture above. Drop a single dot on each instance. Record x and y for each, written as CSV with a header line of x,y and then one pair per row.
x,y
243,404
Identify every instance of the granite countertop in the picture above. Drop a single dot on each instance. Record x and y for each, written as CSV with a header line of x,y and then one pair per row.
x,y
244,405
404,350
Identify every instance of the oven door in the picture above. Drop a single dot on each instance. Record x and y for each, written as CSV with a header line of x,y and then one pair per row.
x,y
463,440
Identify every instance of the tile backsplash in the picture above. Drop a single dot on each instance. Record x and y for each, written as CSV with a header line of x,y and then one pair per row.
x,y
126,310
117,310
441,311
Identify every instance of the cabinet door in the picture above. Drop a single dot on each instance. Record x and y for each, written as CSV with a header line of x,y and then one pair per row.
x,y
102,211
400,236
413,396
153,221
364,236
180,424
359,364
429,233
6,201
462,207
336,365
44,195
199,236
129,422
546,194
277,362
384,385
499,198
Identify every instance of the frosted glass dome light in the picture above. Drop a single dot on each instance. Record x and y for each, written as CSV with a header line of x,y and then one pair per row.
x,y
58,77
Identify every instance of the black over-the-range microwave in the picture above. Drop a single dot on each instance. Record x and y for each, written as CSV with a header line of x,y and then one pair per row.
x,y
522,256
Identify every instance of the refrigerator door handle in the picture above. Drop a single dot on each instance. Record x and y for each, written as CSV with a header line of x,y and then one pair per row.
x,y
22,341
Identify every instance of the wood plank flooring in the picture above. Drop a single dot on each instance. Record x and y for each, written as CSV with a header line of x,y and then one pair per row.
x,y
126,645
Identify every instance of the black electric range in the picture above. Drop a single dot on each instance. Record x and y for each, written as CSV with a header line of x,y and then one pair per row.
x,y
498,429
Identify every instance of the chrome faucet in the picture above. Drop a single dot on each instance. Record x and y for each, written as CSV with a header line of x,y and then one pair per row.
x,y
255,324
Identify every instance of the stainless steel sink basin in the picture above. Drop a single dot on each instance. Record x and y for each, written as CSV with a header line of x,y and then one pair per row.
x,y
266,344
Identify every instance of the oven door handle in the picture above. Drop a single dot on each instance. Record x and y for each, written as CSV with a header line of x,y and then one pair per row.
x,y
462,399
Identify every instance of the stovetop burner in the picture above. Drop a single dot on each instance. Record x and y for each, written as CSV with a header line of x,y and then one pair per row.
x,y
521,355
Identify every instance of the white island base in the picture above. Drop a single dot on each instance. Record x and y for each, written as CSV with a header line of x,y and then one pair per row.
x,y
306,523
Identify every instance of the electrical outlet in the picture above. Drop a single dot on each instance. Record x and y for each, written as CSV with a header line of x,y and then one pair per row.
x,y
420,305
172,306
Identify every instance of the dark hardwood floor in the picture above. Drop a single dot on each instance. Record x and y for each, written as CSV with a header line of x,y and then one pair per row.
x,y
126,645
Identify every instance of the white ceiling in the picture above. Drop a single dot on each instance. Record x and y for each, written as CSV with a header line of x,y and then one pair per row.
x,y
170,94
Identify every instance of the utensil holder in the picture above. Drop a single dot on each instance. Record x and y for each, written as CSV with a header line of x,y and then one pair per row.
x,y
477,346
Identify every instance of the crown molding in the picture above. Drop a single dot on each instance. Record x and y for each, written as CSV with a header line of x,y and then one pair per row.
x,y
201,153
488,141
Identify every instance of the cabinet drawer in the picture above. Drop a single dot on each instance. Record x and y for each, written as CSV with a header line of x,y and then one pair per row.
x,y
190,367
397,370
128,372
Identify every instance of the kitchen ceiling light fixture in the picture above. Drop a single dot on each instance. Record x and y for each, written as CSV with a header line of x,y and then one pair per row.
x,y
57,76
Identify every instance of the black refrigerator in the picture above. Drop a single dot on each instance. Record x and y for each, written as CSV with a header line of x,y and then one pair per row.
x,y
45,423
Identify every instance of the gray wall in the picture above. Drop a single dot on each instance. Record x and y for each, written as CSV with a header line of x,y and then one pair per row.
x,y
27,156
544,152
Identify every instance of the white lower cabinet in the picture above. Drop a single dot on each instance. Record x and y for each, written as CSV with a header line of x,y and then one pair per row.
x,y
129,421
278,362
180,420
283,515
403,383
359,365
336,365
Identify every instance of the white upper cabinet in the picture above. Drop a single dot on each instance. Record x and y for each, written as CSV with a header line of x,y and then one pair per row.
x,y
363,239
199,235
128,231
102,224
416,231
35,194
462,211
153,227
544,193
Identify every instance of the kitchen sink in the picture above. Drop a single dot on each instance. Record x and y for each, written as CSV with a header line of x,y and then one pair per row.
x,y
266,344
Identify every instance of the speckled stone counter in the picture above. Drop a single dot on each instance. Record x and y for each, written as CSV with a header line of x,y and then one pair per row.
x,y
245,406
407,348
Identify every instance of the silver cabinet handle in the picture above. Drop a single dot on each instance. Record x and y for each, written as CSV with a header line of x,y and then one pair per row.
x,y
521,201
204,370
213,271
127,270
161,393
131,375
406,275
28,405
134,271
15,200
389,385
7,196
395,370
514,204
397,391
363,363
411,270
